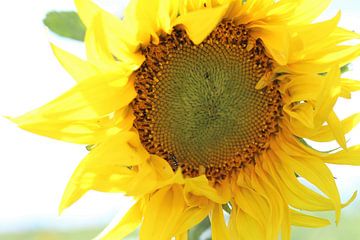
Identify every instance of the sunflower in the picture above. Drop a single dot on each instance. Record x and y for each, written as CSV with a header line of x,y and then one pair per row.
x,y
193,105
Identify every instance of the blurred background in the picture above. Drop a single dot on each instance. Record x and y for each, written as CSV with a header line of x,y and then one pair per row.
x,y
34,170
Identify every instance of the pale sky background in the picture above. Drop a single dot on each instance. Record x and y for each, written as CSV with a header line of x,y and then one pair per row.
x,y
33,169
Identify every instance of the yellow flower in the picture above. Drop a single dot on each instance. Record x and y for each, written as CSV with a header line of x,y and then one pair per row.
x,y
193,104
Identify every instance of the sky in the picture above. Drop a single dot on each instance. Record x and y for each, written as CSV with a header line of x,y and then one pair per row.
x,y
34,170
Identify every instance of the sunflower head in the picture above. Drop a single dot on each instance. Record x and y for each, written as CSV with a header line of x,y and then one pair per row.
x,y
192,105
197,106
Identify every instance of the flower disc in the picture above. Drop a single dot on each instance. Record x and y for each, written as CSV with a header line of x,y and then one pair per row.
x,y
198,106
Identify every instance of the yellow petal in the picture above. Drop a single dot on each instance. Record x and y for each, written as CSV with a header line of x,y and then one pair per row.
x,y
77,68
166,206
252,204
233,225
122,149
200,186
327,39
161,167
97,50
275,39
281,10
105,168
322,29
183,236
87,10
143,182
335,125
249,229
121,228
340,35
192,216
350,156
265,80
349,85
81,132
307,11
278,208
301,114
193,5
296,194
286,225
121,40
99,178
339,55
218,225
91,98
328,44
245,12
89,131
151,175
303,87
92,110
199,24
325,133
328,96
303,220
151,17
312,169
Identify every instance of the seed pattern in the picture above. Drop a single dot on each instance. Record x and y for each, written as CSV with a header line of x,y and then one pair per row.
x,y
197,105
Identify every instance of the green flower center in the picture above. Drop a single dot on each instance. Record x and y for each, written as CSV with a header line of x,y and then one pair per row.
x,y
197,105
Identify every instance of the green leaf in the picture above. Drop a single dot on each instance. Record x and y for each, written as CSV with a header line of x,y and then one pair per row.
x,y
195,233
90,147
227,208
345,68
66,24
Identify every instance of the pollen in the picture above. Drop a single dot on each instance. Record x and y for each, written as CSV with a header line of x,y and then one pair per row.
x,y
198,106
